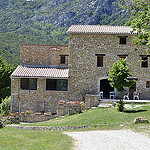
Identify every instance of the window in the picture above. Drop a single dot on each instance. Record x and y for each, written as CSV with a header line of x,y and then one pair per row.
x,y
122,40
144,62
147,84
122,56
62,59
29,83
57,84
100,60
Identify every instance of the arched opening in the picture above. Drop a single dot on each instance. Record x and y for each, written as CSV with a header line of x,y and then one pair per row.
x,y
105,87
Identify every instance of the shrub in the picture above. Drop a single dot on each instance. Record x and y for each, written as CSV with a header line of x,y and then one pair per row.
x,y
120,105
1,124
1,121
5,106
37,113
29,112
61,101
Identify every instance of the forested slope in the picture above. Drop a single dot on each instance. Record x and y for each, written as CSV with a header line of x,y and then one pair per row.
x,y
46,21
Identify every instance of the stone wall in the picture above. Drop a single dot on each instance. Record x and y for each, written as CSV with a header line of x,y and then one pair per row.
x,y
84,74
35,118
43,55
65,109
91,100
42,128
40,100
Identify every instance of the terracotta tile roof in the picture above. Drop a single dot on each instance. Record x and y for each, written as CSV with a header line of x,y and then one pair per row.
x,y
97,29
43,72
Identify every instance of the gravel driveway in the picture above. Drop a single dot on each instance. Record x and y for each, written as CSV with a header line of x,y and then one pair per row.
x,y
110,140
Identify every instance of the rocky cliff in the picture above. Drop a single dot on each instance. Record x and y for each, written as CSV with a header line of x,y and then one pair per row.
x,y
46,21
67,12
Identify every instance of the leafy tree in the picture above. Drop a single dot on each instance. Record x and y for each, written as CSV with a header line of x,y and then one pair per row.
x,y
5,81
141,10
119,74
5,106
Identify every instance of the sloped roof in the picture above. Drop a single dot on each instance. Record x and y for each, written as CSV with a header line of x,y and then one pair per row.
x,y
97,29
42,72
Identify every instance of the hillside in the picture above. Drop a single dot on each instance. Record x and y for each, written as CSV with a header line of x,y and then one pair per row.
x,y
67,12
46,21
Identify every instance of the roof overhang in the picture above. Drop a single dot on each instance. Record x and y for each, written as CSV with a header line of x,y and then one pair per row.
x,y
40,72
97,29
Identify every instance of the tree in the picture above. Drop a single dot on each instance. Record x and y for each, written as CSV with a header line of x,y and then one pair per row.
x,y
5,81
118,75
5,106
141,10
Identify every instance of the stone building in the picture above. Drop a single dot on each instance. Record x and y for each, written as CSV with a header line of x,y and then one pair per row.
x,y
49,73
41,79
94,49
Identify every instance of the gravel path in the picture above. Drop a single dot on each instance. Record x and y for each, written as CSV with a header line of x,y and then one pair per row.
x,y
110,140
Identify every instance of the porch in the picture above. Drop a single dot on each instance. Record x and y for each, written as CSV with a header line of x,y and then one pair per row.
x,y
126,101
93,100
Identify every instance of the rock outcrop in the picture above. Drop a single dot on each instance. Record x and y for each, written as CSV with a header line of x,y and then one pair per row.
x,y
67,12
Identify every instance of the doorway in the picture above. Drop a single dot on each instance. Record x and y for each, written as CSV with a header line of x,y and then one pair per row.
x,y
105,87
131,91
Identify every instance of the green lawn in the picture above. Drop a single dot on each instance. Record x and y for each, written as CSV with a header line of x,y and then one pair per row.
x,y
36,140
105,116
109,118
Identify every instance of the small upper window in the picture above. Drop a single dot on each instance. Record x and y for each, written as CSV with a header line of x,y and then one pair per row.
x,y
123,40
99,59
62,59
147,84
122,56
144,62
29,83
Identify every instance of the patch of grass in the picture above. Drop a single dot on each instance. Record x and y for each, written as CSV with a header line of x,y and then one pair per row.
x,y
108,117
11,138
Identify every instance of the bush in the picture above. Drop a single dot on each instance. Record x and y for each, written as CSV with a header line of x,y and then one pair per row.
x,y
1,122
120,106
5,106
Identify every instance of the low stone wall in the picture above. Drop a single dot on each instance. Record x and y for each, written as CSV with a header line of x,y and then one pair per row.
x,y
91,100
62,110
55,128
34,118
66,109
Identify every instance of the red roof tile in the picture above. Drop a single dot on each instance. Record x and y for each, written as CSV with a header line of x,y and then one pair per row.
x,y
97,29
45,72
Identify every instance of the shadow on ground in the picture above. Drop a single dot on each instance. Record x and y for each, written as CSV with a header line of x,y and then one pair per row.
x,y
134,111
